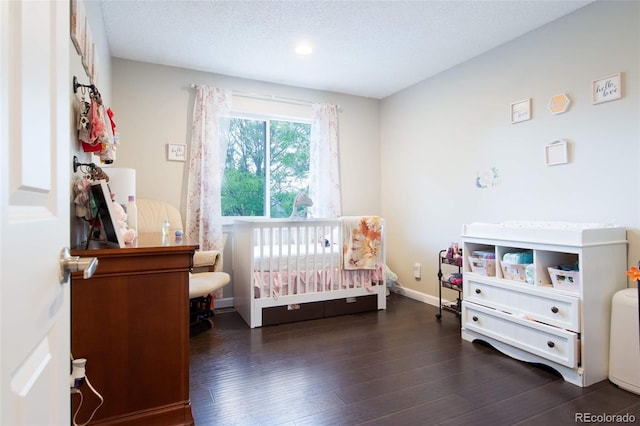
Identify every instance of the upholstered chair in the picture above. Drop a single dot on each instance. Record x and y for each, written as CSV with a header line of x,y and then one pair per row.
x,y
207,276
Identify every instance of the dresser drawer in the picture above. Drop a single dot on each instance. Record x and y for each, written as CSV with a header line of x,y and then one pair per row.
x,y
552,343
522,299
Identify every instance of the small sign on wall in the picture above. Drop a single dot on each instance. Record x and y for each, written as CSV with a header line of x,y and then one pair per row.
x,y
521,111
176,152
606,89
559,104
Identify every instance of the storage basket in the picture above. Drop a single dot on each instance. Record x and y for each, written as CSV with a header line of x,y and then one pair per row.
x,y
483,266
484,254
514,271
565,280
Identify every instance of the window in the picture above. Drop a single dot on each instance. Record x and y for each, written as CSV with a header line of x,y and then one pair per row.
x,y
267,165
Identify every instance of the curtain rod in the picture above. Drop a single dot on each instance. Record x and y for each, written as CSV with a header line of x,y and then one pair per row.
x,y
274,98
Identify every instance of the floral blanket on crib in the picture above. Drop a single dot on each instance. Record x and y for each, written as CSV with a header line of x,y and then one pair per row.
x,y
362,242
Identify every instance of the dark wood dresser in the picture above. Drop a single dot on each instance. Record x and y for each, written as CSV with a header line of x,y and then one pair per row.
x,y
131,322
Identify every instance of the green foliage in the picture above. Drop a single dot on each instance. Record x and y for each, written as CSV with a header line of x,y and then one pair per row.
x,y
242,194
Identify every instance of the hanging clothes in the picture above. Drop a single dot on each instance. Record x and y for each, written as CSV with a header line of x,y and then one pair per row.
x,y
107,154
96,128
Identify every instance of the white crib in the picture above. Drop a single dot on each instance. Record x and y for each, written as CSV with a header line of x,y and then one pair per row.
x,y
286,271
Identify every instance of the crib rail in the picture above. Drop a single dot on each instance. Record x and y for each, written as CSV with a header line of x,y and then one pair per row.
x,y
295,257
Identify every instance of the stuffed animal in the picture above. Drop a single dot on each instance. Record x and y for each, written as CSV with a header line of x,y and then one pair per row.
x,y
128,235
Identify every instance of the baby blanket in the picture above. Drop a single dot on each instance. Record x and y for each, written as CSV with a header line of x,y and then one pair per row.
x,y
362,242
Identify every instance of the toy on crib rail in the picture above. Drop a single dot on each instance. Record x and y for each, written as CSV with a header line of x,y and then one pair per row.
x,y
301,200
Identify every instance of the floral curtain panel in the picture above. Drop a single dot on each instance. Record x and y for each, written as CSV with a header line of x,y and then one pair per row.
x,y
324,166
209,138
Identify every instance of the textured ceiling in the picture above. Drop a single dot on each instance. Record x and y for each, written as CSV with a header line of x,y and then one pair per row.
x,y
365,48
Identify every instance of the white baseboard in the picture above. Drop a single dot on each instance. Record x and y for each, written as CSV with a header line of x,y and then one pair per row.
x,y
416,295
225,302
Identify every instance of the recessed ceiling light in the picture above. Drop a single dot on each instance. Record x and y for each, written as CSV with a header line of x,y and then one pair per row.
x,y
304,49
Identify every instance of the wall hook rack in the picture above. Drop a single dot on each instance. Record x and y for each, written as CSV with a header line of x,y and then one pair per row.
x,y
77,164
91,171
77,85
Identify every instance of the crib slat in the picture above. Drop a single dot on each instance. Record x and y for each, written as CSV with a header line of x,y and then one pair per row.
x,y
271,263
302,264
259,261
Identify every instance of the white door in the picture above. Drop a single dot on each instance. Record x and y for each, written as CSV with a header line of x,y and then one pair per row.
x,y
35,93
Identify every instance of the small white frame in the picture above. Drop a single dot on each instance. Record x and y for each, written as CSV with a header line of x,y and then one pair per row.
x,y
521,111
176,152
556,152
606,89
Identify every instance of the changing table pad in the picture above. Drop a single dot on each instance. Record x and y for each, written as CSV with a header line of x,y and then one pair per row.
x,y
552,232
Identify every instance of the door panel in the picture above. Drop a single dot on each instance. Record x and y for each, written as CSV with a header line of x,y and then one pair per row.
x,y
34,221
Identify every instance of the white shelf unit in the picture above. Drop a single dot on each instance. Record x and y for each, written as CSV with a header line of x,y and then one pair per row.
x,y
565,330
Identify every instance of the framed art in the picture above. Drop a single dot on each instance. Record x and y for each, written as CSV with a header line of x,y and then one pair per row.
x,y
521,111
78,24
559,104
606,89
176,152
556,152
102,208
94,71
87,56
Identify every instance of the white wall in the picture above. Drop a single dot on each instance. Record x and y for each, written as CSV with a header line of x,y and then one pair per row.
x,y
437,135
153,107
96,23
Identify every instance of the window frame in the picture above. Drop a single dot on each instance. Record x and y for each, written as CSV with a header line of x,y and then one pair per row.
x,y
261,116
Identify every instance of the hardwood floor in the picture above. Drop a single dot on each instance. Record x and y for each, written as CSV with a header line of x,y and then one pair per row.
x,y
396,367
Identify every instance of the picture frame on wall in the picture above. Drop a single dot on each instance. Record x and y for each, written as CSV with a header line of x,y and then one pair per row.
x,y
87,57
606,89
557,152
176,152
78,24
94,66
521,111
559,104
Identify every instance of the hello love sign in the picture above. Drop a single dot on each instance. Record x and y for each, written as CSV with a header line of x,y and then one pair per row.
x,y
607,89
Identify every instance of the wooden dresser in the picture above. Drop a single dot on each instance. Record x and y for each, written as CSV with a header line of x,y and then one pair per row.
x,y
131,322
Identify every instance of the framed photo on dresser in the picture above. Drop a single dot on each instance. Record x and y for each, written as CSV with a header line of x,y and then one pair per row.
x,y
102,208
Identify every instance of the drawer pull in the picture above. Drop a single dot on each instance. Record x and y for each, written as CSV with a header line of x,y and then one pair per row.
x,y
550,344
475,318
554,310
478,291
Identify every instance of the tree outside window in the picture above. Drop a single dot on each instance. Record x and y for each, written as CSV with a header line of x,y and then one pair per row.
x,y
267,165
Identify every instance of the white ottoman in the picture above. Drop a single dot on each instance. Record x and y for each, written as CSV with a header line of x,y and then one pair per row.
x,y
624,347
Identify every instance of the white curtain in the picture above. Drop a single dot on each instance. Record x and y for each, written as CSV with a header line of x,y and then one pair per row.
x,y
324,166
209,139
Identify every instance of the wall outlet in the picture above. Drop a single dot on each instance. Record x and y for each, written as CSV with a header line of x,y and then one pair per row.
x,y
417,271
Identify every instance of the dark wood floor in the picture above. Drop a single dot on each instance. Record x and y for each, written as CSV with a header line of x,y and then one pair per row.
x,y
395,367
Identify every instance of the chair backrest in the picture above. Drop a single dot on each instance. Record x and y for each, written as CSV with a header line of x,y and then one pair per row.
x,y
152,214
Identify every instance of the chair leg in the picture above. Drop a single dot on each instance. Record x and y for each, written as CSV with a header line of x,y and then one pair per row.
x,y
200,308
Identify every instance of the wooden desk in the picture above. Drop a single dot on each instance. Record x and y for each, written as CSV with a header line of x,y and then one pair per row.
x,y
131,322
